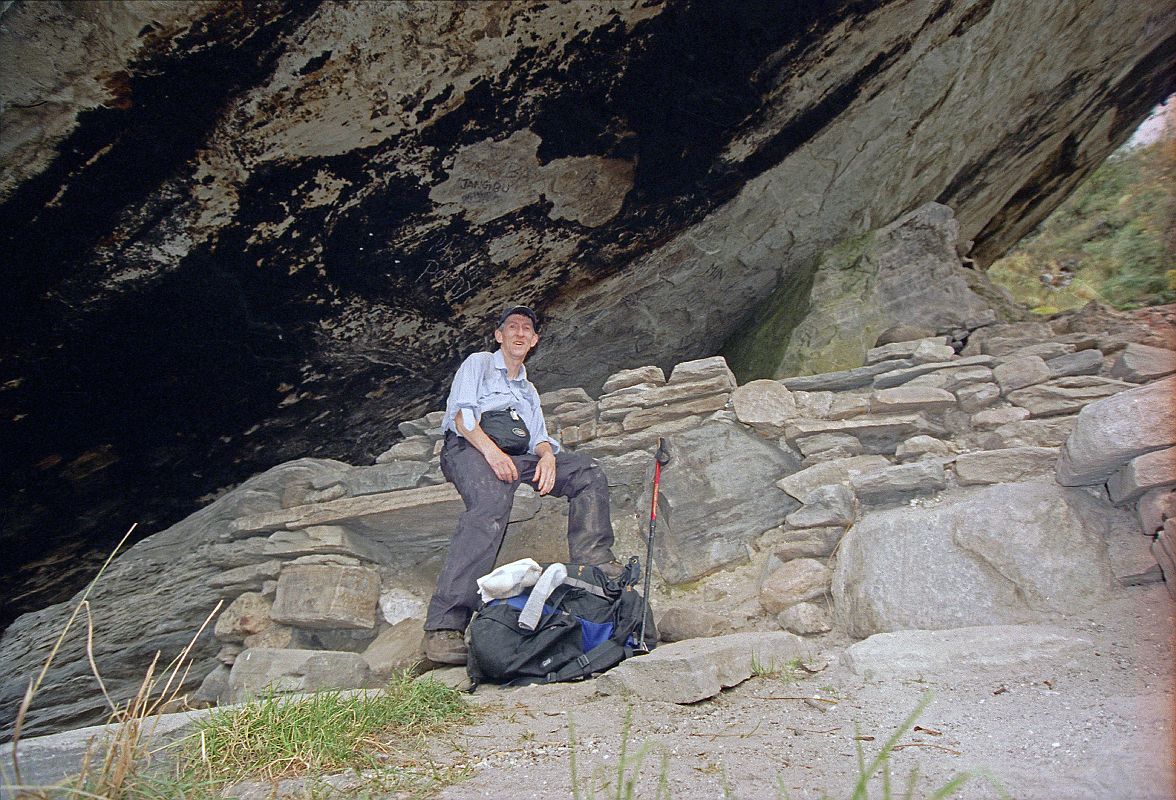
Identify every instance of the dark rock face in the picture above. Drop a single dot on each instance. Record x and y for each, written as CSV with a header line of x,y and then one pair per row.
x,y
235,234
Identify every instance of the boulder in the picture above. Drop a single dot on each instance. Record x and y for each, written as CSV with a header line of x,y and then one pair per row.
x,y
289,671
678,623
831,505
932,353
1020,372
395,649
686,672
1065,395
716,499
632,377
794,582
1002,554
1139,363
805,619
803,483
1005,466
1111,432
982,648
1142,473
899,482
765,405
327,596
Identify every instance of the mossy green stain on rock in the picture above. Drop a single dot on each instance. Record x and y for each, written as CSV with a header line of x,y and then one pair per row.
x,y
754,352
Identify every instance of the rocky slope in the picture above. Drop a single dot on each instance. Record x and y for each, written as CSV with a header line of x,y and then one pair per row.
x,y
234,235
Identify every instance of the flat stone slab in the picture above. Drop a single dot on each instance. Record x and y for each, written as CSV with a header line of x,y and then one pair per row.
x,y
803,483
346,508
898,377
693,670
984,647
327,596
1139,362
875,425
1065,395
1142,473
290,671
1005,466
902,399
845,378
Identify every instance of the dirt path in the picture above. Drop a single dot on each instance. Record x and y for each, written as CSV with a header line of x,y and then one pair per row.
x,y
1099,725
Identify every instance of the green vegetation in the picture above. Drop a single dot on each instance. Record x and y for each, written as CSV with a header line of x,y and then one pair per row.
x,y
1113,240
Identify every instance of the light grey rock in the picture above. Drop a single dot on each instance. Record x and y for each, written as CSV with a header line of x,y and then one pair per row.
x,y
898,377
789,543
414,448
903,399
1153,507
646,439
625,398
816,405
428,425
632,377
1005,466
327,596
657,415
1084,362
825,506
932,353
716,497
803,483
841,380
953,379
893,350
1164,551
823,442
805,619
248,578
765,405
214,689
287,545
918,448
395,649
453,677
570,415
992,418
1001,554
1060,396
1111,432
289,671
980,648
878,433
905,333
977,396
794,582
678,623
1139,363
1045,350
550,401
276,637
686,672
1020,372
1049,432
848,404
703,370
899,482
228,653
248,614
1142,473
386,477
1004,338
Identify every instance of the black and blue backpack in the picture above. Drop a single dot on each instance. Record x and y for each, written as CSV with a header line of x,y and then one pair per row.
x,y
589,624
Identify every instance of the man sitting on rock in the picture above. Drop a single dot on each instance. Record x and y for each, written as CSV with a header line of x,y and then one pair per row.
x,y
486,477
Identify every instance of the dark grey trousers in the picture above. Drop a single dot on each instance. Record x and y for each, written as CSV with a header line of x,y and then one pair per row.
x,y
481,528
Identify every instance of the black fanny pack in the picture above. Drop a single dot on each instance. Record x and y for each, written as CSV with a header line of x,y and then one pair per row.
x,y
507,429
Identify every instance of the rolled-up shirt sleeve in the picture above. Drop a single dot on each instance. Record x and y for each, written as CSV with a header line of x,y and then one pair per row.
x,y
463,393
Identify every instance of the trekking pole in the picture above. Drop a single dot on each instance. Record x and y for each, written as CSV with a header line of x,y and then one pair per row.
x,y
661,457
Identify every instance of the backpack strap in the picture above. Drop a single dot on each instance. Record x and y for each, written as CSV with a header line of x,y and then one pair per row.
x,y
605,655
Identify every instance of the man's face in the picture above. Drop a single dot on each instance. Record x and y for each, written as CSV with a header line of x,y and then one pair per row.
x,y
517,336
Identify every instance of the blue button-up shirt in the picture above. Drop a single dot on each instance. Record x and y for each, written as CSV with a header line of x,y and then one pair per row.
x,y
482,384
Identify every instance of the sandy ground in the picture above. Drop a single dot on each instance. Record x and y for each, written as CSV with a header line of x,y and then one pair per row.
x,y
1099,725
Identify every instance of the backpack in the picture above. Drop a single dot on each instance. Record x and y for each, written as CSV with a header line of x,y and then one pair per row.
x,y
589,624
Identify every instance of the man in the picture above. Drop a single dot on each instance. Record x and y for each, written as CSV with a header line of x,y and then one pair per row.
x,y
486,477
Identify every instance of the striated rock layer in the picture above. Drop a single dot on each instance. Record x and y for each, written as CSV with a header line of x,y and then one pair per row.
x,y
236,234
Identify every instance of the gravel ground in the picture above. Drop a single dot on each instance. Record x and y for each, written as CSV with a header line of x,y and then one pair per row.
x,y
1096,725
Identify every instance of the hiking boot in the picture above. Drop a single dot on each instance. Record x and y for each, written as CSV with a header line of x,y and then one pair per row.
x,y
612,570
445,647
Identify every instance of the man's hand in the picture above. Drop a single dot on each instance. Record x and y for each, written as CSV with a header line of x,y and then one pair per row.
x,y
545,473
503,465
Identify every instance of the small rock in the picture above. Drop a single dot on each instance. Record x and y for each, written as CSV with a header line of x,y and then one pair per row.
x,y
993,418
228,653
248,578
929,352
248,614
910,398
1155,506
656,415
1049,432
844,379
977,396
831,505
703,369
765,405
894,350
275,637
805,619
919,447
327,596
414,448
803,483
1065,395
1084,362
795,582
394,650
899,482
453,677
678,623
557,397
214,689
1045,350
789,543
1148,471
285,671
1020,372
903,332
822,442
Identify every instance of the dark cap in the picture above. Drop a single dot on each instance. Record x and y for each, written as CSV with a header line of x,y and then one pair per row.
x,y
521,310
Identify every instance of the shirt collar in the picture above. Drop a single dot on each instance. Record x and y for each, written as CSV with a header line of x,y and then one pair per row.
x,y
500,363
